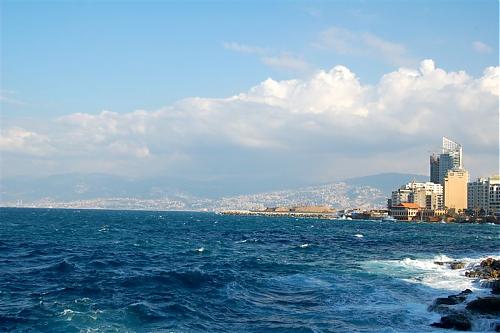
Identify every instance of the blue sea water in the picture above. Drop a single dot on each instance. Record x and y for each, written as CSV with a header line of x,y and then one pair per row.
x,y
136,271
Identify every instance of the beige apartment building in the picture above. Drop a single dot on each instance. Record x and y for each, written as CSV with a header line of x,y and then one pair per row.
x,y
455,189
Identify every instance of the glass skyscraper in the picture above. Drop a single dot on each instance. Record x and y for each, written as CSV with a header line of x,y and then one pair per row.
x,y
450,158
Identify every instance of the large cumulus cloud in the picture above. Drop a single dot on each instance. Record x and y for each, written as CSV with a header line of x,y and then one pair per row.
x,y
332,118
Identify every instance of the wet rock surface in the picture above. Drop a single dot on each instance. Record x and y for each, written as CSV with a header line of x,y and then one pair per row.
x,y
460,318
458,322
488,269
495,287
451,264
440,304
485,305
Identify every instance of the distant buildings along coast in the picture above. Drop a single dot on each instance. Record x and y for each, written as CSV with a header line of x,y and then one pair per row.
x,y
448,193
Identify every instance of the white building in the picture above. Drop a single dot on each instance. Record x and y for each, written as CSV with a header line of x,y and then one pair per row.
x,y
494,204
478,195
484,194
426,195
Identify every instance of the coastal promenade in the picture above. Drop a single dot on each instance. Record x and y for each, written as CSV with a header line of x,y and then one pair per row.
x,y
320,215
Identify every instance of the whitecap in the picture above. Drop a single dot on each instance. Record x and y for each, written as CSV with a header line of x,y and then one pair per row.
x,y
431,272
82,300
201,249
68,313
359,235
303,246
241,241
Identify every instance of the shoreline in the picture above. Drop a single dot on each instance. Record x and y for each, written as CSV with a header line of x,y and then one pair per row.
x,y
468,310
303,215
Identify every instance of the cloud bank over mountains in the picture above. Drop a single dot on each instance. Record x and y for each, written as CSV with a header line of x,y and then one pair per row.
x,y
327,126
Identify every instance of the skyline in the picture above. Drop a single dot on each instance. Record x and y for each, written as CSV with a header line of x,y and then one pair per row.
x,y
308,93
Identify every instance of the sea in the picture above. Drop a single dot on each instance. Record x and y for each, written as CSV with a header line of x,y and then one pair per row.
x,y
142,271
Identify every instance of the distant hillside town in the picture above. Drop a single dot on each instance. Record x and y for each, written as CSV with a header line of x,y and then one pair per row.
x,y
448,195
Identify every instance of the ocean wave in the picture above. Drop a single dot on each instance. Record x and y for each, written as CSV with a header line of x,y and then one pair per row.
x,y
106,264
248,240
266,265
433,273
268,275
142,312
62,267
186,279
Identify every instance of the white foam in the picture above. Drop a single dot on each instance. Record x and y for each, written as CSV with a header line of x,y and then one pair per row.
x,y
359,235
201,249
483,324
241,241
303,246
104,228
69,314
430,274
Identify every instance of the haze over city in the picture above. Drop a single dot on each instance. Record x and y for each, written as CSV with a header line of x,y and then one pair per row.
x,y
310,92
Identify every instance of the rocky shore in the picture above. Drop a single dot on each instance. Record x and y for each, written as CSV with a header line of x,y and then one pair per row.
x,y
461,310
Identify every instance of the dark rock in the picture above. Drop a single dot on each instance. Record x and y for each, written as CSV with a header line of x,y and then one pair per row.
x,y
485,305
451,264
456,321
457,265
490,262
495,287
484,272
440,302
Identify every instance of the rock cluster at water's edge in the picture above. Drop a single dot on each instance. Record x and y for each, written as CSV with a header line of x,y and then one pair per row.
x,y
451,264
488,269
461,319
457,321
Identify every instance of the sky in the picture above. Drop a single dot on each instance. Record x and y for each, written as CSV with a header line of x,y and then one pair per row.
x,y
262,91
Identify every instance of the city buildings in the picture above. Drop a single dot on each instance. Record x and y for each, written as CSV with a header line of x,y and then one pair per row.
x,y
448,170
417,200
405,211
434,168
483,196
426,195
451,157
494,204
455,189
446,191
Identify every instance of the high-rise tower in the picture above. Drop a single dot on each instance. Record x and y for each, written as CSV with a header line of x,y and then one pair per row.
x,y
451,157
455,151
434,168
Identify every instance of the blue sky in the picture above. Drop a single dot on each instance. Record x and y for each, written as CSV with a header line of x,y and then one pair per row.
x,y
182,87
85,56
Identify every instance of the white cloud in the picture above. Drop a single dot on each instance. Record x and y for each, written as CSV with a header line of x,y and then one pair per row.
x,y
282,61
287,62
243,48
330,116
481,47
9,97
362,44
19,140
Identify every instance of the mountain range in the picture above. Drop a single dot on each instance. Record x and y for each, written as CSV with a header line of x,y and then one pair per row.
x,y
106,191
